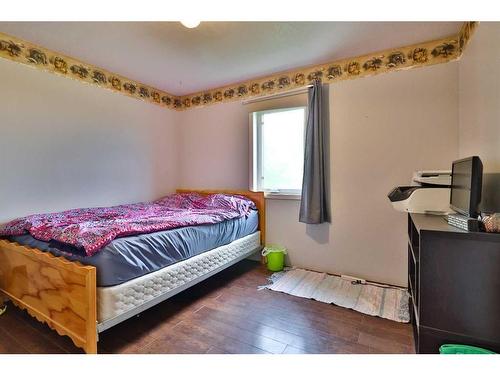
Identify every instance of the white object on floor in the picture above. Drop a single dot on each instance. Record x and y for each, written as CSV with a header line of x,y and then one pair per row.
x,y
386,302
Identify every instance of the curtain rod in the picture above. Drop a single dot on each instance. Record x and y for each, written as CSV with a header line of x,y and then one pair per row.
x,y
278,95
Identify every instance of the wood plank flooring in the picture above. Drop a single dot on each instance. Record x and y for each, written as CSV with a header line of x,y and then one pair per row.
x,y
225,314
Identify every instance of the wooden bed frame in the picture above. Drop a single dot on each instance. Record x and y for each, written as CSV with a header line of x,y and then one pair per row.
x,y
63,293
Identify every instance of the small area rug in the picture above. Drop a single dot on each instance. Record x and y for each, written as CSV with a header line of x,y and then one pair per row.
x,y
386,302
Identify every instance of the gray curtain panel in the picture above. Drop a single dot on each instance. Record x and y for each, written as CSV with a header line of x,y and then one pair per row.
x,y
315,202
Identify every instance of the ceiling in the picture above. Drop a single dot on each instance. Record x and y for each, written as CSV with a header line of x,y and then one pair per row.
x,y
170,57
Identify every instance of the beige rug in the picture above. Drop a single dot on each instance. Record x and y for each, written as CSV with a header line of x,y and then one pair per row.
x,y
386,302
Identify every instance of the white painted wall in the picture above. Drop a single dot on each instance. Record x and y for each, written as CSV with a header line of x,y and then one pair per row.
x,y
479,97
213,143
64,145
382,129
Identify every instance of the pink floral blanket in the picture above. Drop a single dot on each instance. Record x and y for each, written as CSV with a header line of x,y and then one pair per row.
x,y
93,228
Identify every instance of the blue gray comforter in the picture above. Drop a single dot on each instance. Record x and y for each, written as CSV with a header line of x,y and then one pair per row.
x,y
129,257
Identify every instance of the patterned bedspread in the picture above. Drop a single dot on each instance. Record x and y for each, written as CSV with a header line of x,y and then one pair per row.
x,y
93,228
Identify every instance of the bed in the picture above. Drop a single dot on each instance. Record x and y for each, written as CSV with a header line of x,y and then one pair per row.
x,y
69,294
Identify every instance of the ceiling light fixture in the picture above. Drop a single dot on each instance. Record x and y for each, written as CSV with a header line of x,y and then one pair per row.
x,y
190,24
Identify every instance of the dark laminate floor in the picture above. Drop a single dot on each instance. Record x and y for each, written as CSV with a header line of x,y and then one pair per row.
x,y
225,314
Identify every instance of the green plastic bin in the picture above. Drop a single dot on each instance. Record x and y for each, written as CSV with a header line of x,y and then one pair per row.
x,y
275,257
462,349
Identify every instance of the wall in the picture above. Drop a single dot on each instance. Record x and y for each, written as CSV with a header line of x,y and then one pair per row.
x,y
64,145
479,97
214,143
382,129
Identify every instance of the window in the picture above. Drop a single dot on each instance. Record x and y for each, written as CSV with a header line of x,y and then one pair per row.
x,y
277,159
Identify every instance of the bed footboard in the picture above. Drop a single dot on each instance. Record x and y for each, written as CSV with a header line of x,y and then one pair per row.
x,y
53,290
3,298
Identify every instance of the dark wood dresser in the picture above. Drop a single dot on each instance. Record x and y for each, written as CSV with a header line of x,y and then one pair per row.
x,y
454,282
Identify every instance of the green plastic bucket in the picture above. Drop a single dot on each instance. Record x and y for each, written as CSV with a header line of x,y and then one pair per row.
x,y
462,349
275,257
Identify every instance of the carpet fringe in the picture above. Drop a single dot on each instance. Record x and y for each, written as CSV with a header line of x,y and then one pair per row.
x,y
275,277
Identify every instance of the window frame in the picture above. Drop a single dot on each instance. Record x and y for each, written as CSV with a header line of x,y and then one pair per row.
x,y
256,154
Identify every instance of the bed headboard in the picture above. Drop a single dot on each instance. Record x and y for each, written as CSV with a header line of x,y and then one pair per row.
x,y
256,197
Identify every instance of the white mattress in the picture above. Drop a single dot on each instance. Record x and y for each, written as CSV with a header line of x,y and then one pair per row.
x,y
119,299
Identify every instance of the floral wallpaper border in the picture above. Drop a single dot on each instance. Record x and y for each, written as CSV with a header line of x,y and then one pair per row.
x,y
414,56
465,34
418,55
23,52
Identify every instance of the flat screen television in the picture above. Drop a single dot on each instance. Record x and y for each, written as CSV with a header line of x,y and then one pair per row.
x,y
466,185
